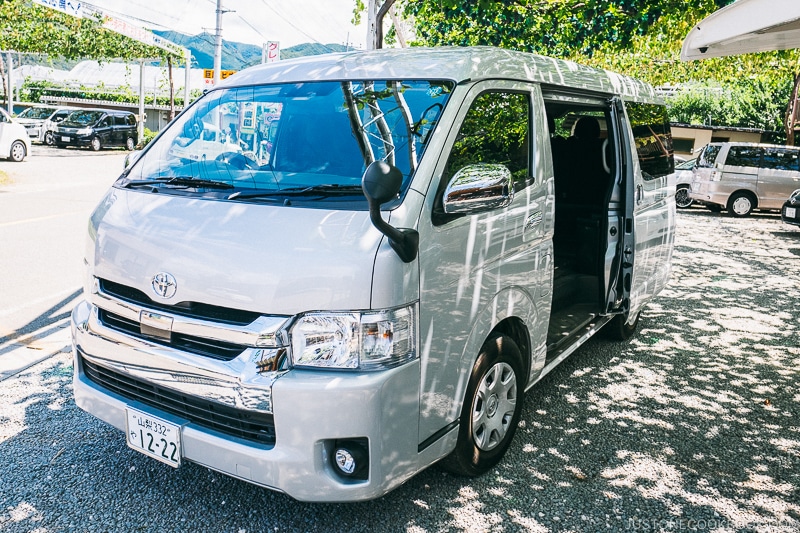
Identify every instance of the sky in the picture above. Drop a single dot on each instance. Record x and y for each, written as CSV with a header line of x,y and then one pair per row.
x,y
290,22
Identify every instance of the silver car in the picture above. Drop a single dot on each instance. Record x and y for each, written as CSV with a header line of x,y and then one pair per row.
x,y
741,177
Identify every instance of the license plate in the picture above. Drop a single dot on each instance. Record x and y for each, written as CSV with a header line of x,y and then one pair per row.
x,y
65,139
154,437
791,212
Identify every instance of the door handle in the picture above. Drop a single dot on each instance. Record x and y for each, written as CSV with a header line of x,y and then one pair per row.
x,y
639,194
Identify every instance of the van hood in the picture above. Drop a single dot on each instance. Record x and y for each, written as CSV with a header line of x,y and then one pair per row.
x,y
275,260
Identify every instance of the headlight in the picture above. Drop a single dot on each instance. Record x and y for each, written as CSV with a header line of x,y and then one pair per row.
x,y
794,198
358,340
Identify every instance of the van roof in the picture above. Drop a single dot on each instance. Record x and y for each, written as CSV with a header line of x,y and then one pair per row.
x,y
458,64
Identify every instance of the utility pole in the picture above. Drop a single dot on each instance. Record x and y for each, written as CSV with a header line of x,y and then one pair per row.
x,y
218,45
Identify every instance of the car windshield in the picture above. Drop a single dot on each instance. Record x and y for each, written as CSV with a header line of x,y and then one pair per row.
x,y
312,141
37,113
82,118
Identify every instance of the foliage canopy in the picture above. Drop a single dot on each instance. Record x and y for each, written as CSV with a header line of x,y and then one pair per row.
x,y
640,38
33,28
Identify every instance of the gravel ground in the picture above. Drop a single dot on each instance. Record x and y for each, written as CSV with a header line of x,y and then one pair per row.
x,y
693,425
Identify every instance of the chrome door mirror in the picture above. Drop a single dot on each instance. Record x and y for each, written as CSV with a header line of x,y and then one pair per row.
x,y
477,188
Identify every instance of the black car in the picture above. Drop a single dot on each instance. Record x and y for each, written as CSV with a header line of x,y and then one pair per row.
x,y
97,128
790,212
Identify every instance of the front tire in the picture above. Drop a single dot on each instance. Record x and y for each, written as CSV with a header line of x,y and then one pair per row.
x,y
49,138
682,199
491,409
95,146
130,145
741,204
18,151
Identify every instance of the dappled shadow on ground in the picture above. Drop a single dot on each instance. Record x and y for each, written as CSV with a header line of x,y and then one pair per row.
x,y
693,425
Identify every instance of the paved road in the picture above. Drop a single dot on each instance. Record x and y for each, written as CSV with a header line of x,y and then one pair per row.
x,y
693,425
45,203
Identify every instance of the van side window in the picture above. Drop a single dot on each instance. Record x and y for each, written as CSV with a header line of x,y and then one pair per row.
x,y
653,137
495,130
780,159
744,156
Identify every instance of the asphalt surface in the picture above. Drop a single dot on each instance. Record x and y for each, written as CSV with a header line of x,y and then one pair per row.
x,y
693,425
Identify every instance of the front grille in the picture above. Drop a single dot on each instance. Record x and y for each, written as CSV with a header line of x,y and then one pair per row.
x,y
253,427
202,311
223,351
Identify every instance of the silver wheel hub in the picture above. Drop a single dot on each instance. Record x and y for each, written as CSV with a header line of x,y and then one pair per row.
x,y
741,205
493,406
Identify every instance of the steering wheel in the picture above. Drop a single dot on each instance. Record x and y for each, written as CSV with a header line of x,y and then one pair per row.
x,y
237,160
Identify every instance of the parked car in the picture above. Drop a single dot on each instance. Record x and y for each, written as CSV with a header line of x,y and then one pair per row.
x,y
790,212
97,128
48,129
33,118
377,292
14,141
741,177
684,173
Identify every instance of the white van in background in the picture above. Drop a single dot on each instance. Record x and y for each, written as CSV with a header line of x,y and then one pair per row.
x,y
367,273
741,177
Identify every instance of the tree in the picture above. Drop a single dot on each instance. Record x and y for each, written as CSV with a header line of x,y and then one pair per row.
x,y
32,28
640,38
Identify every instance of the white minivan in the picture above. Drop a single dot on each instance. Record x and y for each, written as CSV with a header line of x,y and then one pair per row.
x,y
365,275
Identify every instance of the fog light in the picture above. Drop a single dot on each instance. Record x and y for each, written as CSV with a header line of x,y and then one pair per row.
x,y
345,461
350,458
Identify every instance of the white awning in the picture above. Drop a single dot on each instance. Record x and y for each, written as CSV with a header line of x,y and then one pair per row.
x,y
743,27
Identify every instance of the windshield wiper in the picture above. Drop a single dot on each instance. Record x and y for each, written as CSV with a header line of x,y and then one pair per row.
x,y
180,181
327,189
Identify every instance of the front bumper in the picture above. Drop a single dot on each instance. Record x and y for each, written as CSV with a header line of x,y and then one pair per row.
x,y
311,409
791,217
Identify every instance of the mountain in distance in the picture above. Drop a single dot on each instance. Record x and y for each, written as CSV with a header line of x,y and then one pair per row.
x,y
237,56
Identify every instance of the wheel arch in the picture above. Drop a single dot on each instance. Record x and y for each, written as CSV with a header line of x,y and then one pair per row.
x,y
508,313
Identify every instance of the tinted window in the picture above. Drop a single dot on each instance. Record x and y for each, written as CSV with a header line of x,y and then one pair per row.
x,y
495,130
744,156
708,156
130,120
653,138
780,159
83,118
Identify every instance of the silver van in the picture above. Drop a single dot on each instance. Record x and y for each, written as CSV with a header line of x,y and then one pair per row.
x,y
741,177
367,271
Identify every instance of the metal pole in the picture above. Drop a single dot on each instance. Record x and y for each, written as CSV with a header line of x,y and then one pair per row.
x,y
10,91
218,45
186,91
140,125
372,34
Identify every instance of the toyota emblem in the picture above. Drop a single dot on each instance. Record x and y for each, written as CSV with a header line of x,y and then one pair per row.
x,y
164,285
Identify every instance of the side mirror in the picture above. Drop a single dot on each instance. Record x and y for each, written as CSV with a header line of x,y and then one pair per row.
x,y
480,187
381,182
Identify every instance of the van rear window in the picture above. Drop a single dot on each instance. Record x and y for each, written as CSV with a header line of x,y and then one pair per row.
x,y
708,156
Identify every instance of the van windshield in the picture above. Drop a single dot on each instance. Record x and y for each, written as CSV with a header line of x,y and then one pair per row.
x,y
312,141
82,118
